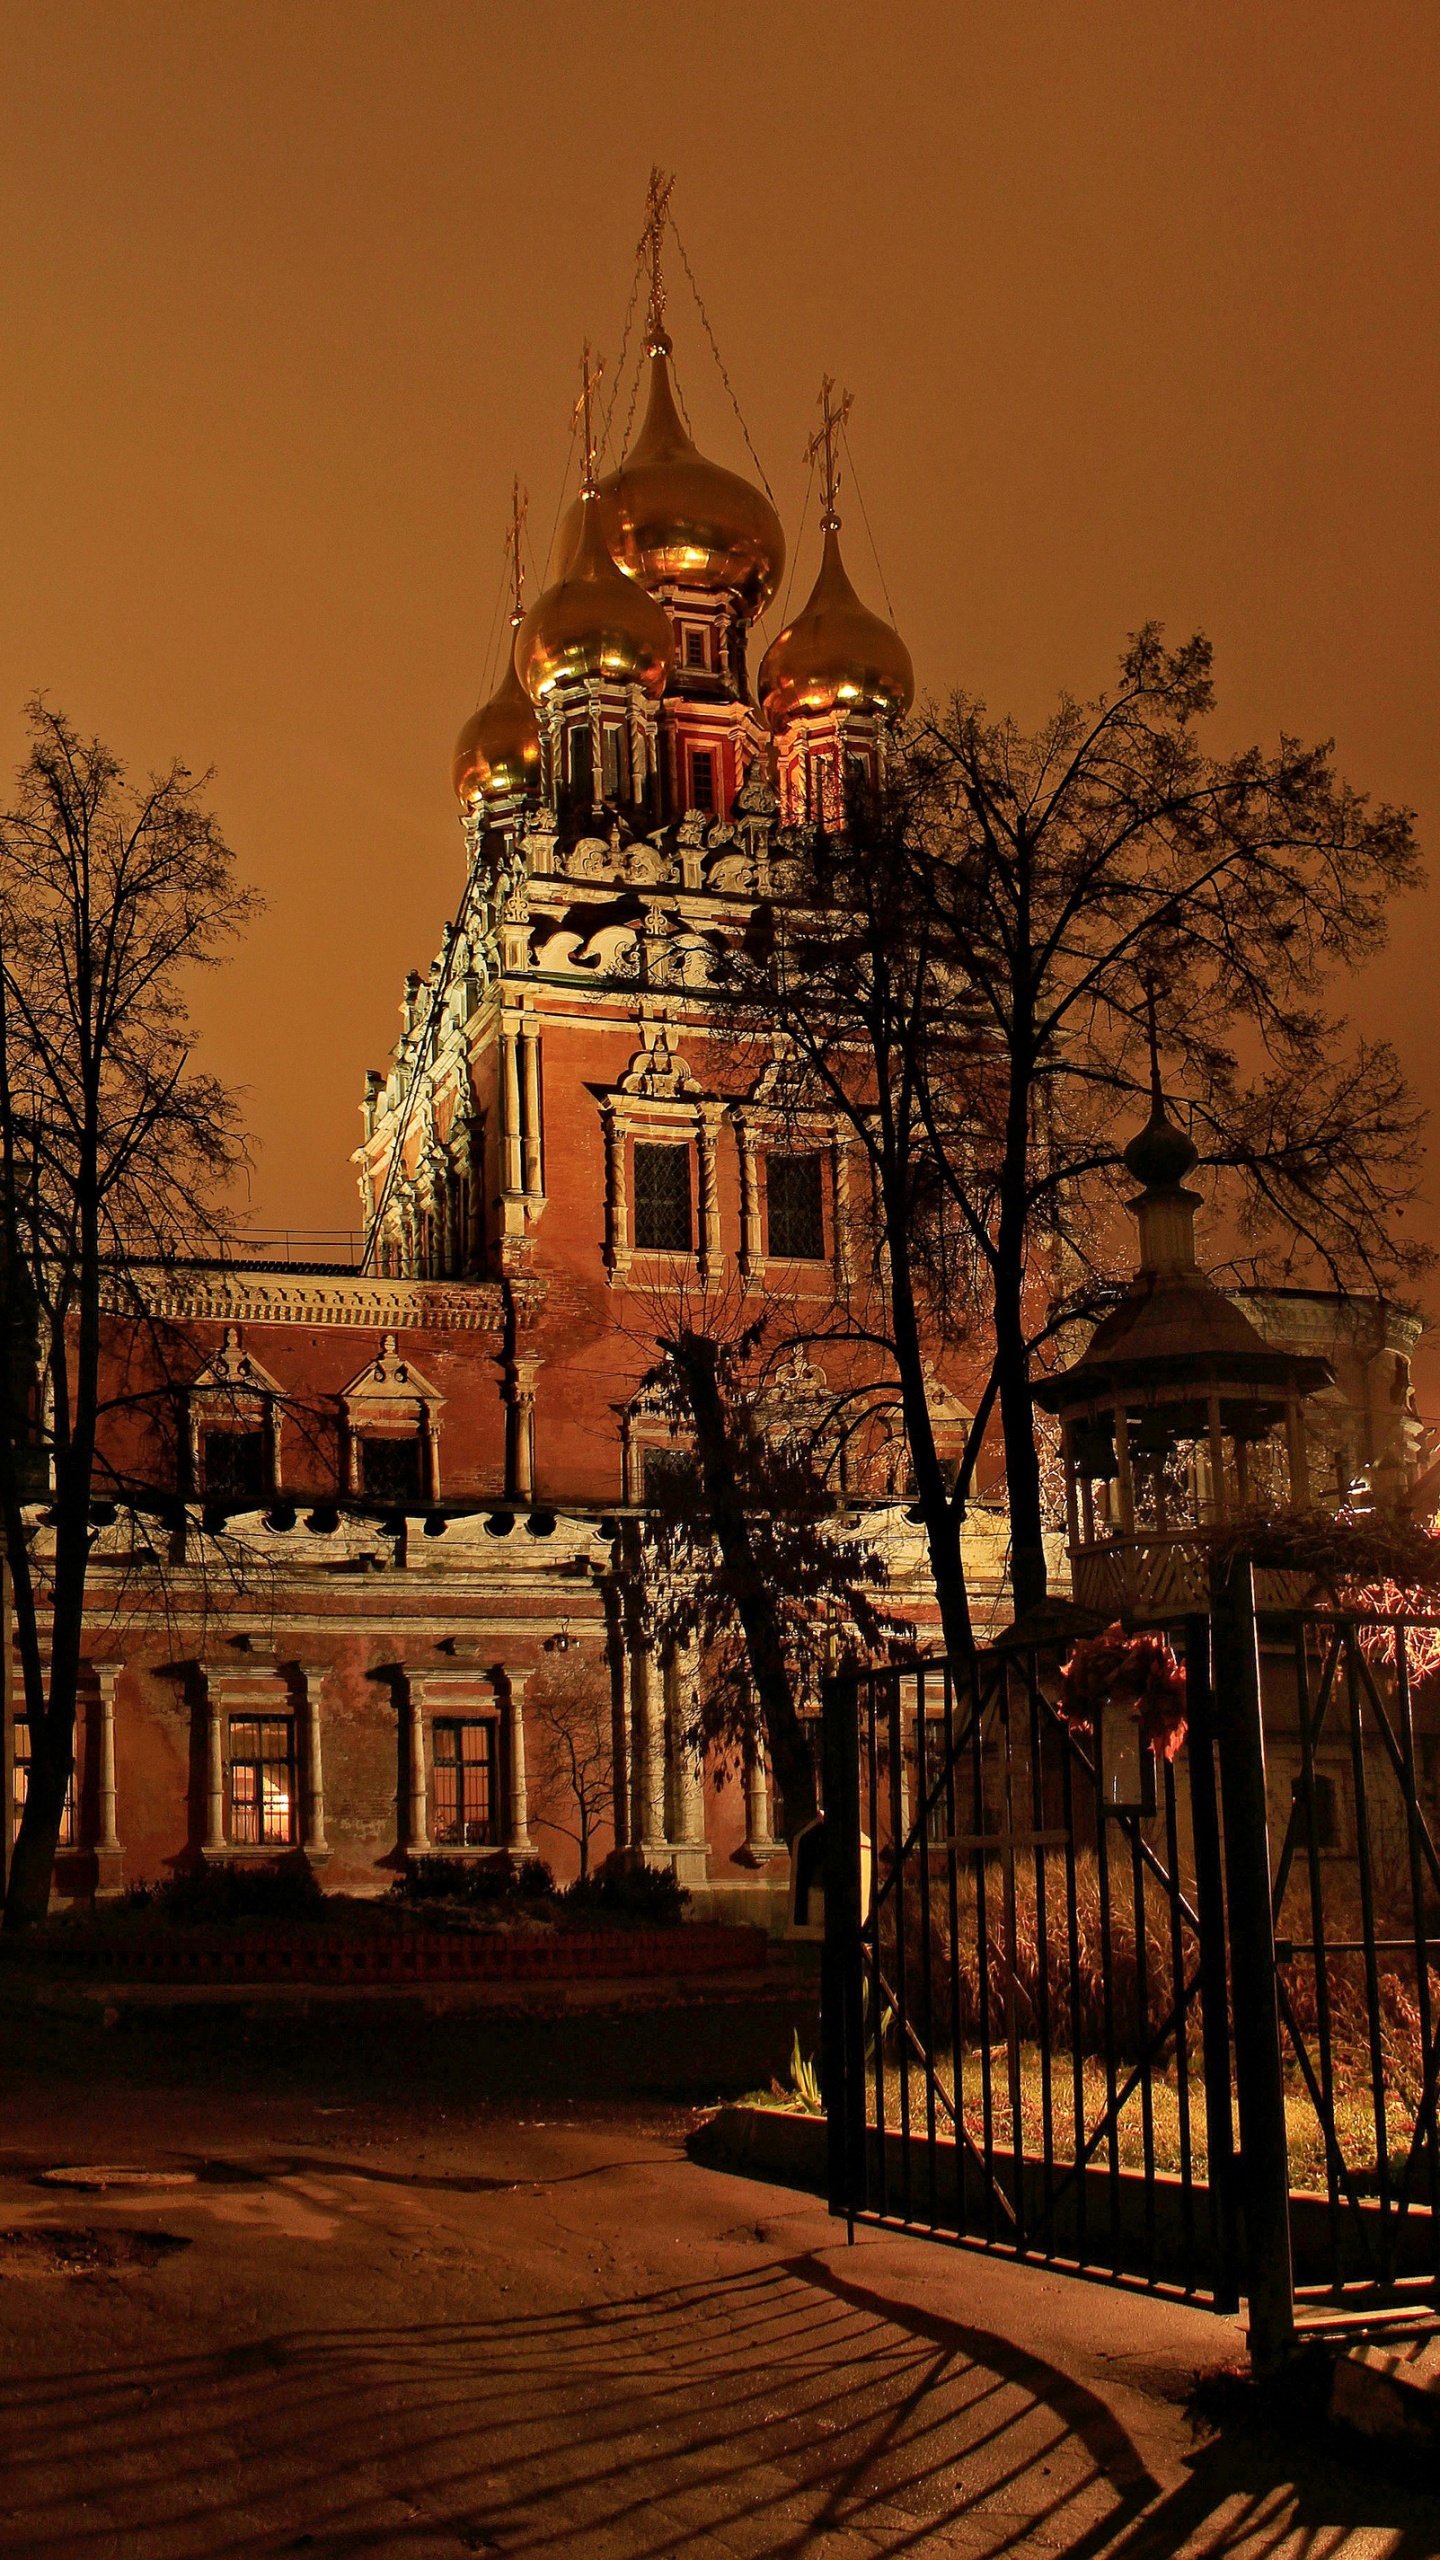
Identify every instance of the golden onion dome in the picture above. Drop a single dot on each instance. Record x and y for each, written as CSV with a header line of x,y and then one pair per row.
x,y
672,518
836,655
594,622
498,751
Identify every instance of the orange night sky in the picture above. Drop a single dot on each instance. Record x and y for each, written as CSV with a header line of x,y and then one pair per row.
x,y
1138,305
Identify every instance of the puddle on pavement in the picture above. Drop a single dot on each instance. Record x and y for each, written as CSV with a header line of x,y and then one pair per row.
x,y
40,2250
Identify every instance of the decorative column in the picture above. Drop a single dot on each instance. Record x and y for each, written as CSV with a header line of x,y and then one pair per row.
x,y
710,1254
840,1194
417,1828
760,1842
274,1474
520,1843
530,1107
690,1854
312,1675
214,1841
520,1374
109,1856
512,1174
431,1422
617,1206
648,1758
749,1201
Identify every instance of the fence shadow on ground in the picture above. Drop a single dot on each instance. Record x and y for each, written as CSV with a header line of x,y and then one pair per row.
x,y
762,2415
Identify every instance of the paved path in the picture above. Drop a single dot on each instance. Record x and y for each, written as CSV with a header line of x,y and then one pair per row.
x,y
396,2335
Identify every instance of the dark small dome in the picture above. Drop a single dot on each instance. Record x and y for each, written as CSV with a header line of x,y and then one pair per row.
x,y
1161,1155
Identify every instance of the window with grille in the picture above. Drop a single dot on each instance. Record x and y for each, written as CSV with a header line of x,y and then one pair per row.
x,y
795,1217
234,1466
610,742
662,1199
463,1768
702,780
20,1785
695,649
391,1470
665,1473
262,1781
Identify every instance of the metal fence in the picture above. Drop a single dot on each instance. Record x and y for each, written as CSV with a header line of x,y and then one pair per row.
x,y
1170,2021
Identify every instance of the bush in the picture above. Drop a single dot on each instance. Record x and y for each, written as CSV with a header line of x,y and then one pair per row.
x,y
625,1892
483,1884
219,1891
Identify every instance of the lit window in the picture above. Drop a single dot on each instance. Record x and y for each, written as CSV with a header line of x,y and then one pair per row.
x,y
463,1763
794,1215
21,1788
695,649
391,1470
234,1465
262,1781
662,1199
702,781
610,741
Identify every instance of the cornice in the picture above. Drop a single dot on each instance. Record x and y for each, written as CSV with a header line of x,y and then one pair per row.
x,y
358,1300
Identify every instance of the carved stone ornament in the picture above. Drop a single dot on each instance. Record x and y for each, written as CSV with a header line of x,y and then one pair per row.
x,y
590,859
233,1370
756,796
732,874
657,1073
691,830
644,865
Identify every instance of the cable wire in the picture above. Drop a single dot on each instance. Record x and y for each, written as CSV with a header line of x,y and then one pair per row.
x,y
799,538
620,365
719,359
486,687
865,512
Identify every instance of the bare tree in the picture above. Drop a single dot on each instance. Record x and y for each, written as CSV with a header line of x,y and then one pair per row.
x,y
568,1713
748,1545
112,1145
969,990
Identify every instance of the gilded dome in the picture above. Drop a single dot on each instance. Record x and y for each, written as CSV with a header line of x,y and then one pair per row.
x,y
836,655
498,750
594,622
672,518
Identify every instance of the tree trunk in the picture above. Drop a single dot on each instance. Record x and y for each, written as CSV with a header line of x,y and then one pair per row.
x,y
941,1517
790,1759
1029,1574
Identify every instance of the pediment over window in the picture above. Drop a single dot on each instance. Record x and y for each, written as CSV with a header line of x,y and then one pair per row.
x,y
657,1073
233,1372
389,1390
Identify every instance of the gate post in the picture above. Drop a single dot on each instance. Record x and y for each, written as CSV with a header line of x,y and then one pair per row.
x,y
1214,1983
842,2018
1259,2074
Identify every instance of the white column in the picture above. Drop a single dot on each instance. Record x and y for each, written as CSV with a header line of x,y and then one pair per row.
x,y
312,1675
759,1839
649,1753
530,1106
520,1841
691,1854
710,1254
417,1831
749,1201
511,1173
214,1764
617,1205
106,1675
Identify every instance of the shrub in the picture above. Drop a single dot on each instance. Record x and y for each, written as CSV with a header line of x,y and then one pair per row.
x,y
484,1884
220,1890
628,1893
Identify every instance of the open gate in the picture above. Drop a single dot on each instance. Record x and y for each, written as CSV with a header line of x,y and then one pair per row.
x,y
1093,2007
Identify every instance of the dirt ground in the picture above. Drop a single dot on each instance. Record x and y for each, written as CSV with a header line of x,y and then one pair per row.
x,y
400,2309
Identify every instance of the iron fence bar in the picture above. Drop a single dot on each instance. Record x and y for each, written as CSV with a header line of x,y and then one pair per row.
x,y
922,1790
962,2133
1182,2036
1107,1983
1424,2116
957,2055
1012,1938
1397,1761
1326,2123
898,1830
1259,2075
982,1951
1042,1933
1333,2161
1355,1701
842,2022
1068,1759
1214,1983
877,2012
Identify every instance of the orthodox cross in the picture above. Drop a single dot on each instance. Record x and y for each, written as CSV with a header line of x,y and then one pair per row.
x,y
590,373
519,510
652,241
822,446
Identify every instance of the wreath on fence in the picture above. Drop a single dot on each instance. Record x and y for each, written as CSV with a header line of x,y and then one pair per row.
x,y
1118,1670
